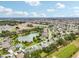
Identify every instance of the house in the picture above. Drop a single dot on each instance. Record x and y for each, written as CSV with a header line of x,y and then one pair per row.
x,y
45,32
19,55
5,43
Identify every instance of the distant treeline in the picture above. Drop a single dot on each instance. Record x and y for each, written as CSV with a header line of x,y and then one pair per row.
x,y
10,22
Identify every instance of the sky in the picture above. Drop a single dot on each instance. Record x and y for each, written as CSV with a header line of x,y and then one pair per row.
x,y
39,8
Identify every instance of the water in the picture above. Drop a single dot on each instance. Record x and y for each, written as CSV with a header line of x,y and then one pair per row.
x,y
28,38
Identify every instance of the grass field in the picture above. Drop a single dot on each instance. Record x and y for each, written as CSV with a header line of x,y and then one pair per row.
x,y
66,51
1,39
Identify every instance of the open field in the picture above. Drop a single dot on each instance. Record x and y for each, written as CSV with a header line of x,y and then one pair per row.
x,y
67,51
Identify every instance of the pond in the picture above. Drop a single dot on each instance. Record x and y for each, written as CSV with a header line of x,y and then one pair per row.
x,y
28,38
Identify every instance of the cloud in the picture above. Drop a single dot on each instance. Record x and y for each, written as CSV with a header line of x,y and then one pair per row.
x,y
35,14
5,10
76,7
33,3
9,12
59,15
62,15
21,13
75,12
50,10
60,5
43,15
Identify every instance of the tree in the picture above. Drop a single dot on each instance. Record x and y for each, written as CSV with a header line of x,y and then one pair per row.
x,y
17,27
3,51
14,36
61,41
67,37
73,36
70,37
29,25
50,48
36,39
34,54
6,33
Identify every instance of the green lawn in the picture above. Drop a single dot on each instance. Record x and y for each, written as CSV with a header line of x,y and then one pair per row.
x,y
43,54
1,39
3,51
65,52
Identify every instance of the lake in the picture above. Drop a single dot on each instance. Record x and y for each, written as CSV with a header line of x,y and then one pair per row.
x,y
28,38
